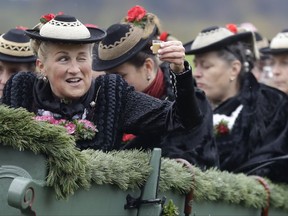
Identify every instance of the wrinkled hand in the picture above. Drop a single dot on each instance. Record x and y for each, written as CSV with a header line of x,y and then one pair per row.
x,y
174,53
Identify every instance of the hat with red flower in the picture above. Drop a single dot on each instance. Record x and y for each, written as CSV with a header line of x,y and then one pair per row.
x,y
138,16
65,29
215,37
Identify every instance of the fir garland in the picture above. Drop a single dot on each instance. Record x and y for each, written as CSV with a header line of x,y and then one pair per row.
x,y
70,169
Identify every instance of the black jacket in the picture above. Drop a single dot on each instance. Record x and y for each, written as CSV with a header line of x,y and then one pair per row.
x,y
118,108
196,145
260,132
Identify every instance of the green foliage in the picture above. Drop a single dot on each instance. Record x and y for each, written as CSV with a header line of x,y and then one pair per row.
x,y
70,169
170,209
231,188
173,176
126,169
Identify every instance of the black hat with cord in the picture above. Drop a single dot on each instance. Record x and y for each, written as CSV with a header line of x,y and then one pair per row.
x,y
15,47
123,41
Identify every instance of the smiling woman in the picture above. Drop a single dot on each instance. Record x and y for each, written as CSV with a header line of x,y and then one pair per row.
x,y
67,93
67,69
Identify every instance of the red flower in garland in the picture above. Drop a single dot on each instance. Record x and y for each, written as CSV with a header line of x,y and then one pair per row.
x,y
136,13
221,128
127,137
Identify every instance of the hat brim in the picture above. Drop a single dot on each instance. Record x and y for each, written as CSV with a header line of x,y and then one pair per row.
x,y
102,65
96,35
188,46
16,59
268,50
244,36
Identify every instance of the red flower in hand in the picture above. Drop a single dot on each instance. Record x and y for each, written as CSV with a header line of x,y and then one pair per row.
x,y
136,13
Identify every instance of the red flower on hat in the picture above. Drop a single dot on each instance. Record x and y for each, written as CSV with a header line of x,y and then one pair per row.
x,y
163,36
21,28
90,25
232,27
136,13
47,17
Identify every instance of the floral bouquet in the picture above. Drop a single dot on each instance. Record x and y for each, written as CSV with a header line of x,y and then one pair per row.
x,y
81,129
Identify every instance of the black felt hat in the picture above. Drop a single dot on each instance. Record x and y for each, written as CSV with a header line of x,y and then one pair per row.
x,y
15,47
66,29
123,41
278,44
215,37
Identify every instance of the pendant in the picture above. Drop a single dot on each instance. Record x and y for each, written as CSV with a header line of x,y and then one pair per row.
x,y
92,104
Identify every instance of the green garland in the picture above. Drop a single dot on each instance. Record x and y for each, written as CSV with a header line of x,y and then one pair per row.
x,y
70,169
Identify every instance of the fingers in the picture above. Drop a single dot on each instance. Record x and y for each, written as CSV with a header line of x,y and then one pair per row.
x,y
174,53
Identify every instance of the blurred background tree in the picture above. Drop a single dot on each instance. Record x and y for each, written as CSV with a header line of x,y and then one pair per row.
x,y
183,18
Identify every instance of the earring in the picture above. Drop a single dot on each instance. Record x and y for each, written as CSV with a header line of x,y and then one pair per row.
x,y
45,79
148,78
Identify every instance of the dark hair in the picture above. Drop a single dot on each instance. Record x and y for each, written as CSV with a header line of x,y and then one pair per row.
x,y
239,51
139,59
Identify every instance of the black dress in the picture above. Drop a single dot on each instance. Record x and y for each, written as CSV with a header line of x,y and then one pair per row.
x,y
260,131
196,145
116,107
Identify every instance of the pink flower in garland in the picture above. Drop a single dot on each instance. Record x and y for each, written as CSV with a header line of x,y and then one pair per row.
x,y
88,124
70,127
49,119
81,129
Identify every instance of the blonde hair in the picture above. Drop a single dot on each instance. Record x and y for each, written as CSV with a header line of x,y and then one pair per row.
x,y
41,49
